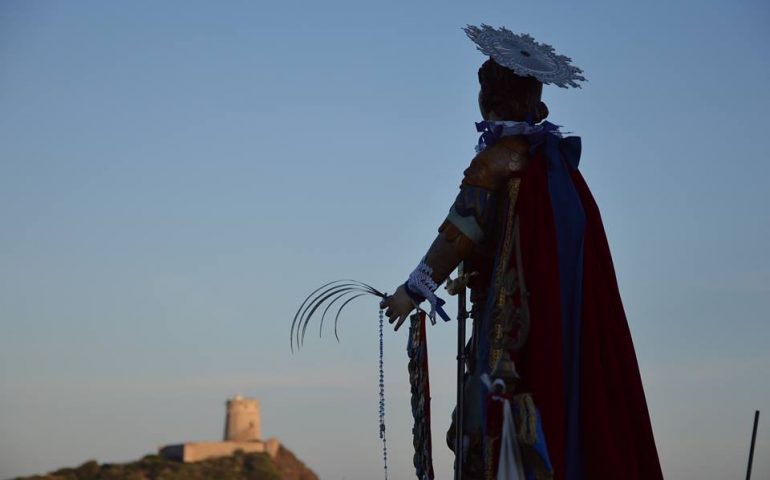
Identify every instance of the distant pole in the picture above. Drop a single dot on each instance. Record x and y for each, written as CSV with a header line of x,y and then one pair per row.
x,y
753,442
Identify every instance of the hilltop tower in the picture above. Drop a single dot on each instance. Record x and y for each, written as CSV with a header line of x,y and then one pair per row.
x,y
242,433
242,423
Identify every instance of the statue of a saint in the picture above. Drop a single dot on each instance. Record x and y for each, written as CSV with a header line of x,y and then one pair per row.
x,y
552,387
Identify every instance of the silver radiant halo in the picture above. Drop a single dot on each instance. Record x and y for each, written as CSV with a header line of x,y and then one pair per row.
x,y
525,56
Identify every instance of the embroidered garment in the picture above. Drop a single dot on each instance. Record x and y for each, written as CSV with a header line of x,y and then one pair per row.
x,y
546,298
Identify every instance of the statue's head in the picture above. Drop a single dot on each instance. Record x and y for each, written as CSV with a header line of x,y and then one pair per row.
x,y
507,96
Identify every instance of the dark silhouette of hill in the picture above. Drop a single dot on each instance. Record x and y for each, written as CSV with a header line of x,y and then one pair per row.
x,y
239,466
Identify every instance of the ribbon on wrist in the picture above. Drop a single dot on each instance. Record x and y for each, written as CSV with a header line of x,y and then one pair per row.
x,y
420,286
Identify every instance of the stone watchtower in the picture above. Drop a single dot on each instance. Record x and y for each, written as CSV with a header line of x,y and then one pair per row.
x,y
242,432
242,423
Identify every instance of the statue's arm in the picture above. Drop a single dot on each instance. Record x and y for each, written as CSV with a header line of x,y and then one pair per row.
x,y
466,225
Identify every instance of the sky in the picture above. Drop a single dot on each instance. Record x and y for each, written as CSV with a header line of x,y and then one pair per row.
x,y
176,176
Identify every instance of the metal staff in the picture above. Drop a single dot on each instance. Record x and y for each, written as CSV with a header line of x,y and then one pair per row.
x,y
462,315
753,442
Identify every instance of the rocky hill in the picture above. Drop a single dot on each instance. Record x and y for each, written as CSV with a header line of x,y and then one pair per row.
x,y
240,466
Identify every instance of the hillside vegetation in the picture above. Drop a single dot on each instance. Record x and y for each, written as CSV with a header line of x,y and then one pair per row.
x,y
240,466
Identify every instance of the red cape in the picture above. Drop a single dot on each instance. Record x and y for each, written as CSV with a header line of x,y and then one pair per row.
x,y
616,436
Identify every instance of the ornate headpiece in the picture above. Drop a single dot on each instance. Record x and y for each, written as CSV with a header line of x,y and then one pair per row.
x,y
523,55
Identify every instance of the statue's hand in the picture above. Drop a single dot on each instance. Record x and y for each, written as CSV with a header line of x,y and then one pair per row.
x,y
398,306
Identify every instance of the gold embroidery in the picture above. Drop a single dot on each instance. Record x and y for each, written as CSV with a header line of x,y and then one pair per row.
x,y
489,473
526,419
513,195
503,284
494,355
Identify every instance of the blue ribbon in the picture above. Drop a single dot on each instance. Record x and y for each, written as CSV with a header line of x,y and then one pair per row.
x,y
546,134
441,313
489,134
563,155
419,299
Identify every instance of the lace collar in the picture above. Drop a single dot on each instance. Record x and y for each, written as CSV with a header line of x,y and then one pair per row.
x,y
493,130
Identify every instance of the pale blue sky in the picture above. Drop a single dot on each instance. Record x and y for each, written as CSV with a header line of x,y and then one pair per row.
x,y
175,176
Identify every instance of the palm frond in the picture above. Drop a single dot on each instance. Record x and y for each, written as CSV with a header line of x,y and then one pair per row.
x,y
329,294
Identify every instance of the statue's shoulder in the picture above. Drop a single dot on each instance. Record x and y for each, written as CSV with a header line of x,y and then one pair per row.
x,y
492,167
